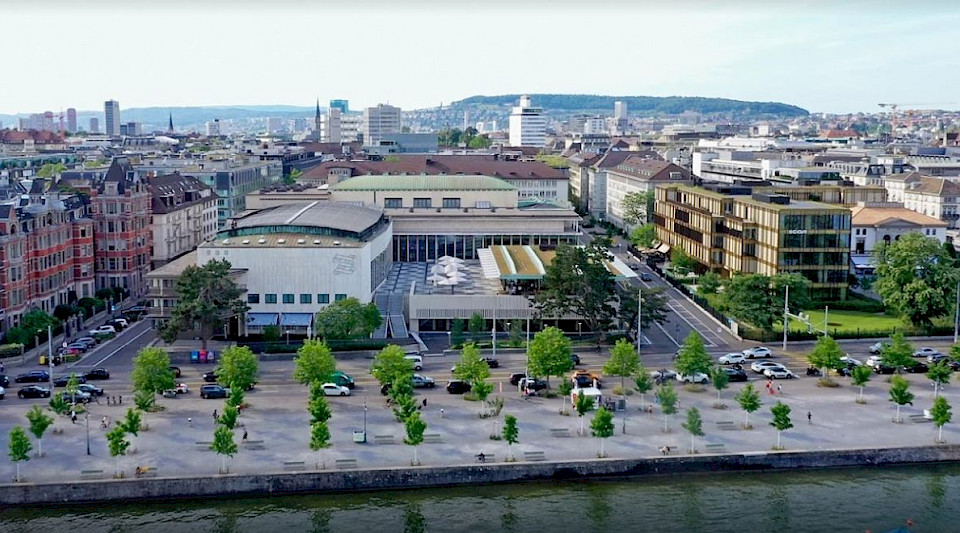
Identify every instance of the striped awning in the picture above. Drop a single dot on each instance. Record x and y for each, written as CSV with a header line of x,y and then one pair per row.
x,y
262,319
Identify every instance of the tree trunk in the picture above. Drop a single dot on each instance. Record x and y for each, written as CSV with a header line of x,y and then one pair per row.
x,y
718,395
581,425
898,412
601,448
18,471
940,434
416,460
664,422
746,419
861,393
40,447
936,389
778,440
320,458
223,464
510,451
641,401
203,336
693,446
117,468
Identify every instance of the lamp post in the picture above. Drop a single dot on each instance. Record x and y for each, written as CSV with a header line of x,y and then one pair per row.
x,y
288,336
579,332
87,417
364,418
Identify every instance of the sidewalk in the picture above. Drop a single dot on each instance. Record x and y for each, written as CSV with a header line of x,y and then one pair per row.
x,y
32,356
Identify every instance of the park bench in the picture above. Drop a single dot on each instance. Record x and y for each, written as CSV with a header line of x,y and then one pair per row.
x,y
560,432
294,465
534,456
487,458
920,419
383,439
253,444
715,448
726,425
346,464
91,474
204,445
432,438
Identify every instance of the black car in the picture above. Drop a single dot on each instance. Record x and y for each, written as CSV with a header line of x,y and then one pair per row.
x,y
97,373
36,376
175,370
735,374
515,378
917,368
33,391
646,277
212,391
92,390
458,387
210,377
493,363
535,384
575,358
4,381
117,325
63,380
884,369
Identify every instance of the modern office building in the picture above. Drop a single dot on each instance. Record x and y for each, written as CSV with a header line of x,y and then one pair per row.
x,y
71,120
94,125
184,214
274,124
379,121
528,126
619,110
342,105
131,129
330,126
111,113
212,128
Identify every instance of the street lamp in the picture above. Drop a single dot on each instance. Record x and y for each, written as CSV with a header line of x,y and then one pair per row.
x,y
364,418
579,333
87,417
288,336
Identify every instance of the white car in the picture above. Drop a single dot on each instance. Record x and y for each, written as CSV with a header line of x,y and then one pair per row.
x,y
696,377
779,373
757,351
103,330
760,366
732,358
182,388
926,352
417,361
332,389
874,360
847,360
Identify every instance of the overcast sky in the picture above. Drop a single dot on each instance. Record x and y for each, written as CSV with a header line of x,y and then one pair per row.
x,y
815,54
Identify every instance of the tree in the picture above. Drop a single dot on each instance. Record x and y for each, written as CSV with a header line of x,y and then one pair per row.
x,y
510,432
238,367
404,407
709,283
759,299
955,353
693,357
144,400
564,389
602,428
456,332
118,444
319,439
667,396
228,418
941,415
39,423
314,363
132,423
654,307
271,333
681,262
391,365
749,400
642,383
720,381
415,427
898,354
317,405
348,319
49,170
224,445
58,404
235,398
583,405
623,361
940,375
826,355
900,394
207,296
478,326
19,448
916,278
860,375
694,426
471,367
643,236
151,371
72,385
549,354
781,419
634,207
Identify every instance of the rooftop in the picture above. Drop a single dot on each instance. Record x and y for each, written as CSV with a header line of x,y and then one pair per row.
x,y
333,215
423,183
879,216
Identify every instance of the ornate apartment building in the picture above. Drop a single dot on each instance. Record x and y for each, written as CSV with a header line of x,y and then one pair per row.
x,y
184,214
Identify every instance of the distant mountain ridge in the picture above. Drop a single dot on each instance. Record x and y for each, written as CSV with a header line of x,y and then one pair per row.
x,y
640,105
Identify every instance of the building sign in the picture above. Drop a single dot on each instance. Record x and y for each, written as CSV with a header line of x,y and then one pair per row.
x,y
797,232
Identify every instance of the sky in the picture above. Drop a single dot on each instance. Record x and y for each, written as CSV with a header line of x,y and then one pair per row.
x,y
828,56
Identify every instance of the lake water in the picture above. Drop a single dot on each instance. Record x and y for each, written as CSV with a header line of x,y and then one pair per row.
x,y
854,500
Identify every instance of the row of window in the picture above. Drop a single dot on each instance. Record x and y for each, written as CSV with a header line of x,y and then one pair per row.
x,y
396,203
271,298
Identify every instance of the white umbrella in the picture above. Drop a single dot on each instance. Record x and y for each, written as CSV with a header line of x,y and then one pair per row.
x,y
459,276
436,277
437,269
448,258
448,283
451,268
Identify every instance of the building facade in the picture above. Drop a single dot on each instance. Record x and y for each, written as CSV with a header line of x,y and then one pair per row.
x,y
111,116
528,126
379,121
886,223
183,215
637,175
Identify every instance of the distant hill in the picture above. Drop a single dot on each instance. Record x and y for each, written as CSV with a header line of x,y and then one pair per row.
x,y
640,105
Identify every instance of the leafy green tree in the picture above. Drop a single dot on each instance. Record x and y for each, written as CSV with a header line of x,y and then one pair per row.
x,y
238,367
643,236
471,367
510,432
36,322
749,400
132,422
826,355
642,382
314,363
602,428
694,426
781,419
916,278
236,397
941,415
693,357
348,319
955,353
654,307
478,326
667,396
623,361
229,417
151,371
19,448
709,283
144,400
390,365
900,394
720,380
634,207
224,445
481,390
72,385
456,332
583,405
898,354
758,299
118,444
49,170
207,296
549,354
860,375
317,405
564,389
271,333
681,262
415,426
39,423
58,404
404,407
399,389
319,439
940,375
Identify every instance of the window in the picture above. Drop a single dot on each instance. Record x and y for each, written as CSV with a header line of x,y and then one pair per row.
x,y
393,202
421,202
482,204
306,298
323,298
451,202
253,298
270,298
288,298
340,297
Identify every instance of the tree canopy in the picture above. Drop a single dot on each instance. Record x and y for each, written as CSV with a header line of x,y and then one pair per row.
x,y
758,299
238,367
348,319
151,371
549,353
643,236
826,354
207,297
693,357
623,361
916,278
390,365
898,354
634,207
314,363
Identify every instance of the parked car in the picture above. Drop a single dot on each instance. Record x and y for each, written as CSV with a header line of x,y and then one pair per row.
x,y
873,360
122,321
182,388
119,326
575,358
732,358
926,352
210,377
4,381
917,368
584,378
76,397
757,351
662,375
515,378
343,379
97,373
533,384
3,393
422,381
846,359
646,277
33,391
89,341
63,380
491,362
332,389
735,374
92,390
209,392
933,359
79,346
417,361
696,377
105,329
881,368
457,386
779,373
175,370
759,366
34,376
878,347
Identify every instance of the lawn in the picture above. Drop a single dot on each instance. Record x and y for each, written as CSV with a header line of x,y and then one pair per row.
x,y
850,321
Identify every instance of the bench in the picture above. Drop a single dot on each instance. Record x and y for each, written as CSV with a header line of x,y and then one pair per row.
x,y
432,438
715,448
560,432
383,439
726,425
534,456
204,445
920,419
294,465
91,474
487,458
253,444
345,464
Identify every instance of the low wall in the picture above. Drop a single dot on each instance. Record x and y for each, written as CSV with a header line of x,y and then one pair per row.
x,y
426,476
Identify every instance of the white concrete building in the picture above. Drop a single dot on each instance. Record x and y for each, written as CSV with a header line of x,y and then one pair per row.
x,y
873,223
934,197
638,175
379,121
528,126
212,127
330,126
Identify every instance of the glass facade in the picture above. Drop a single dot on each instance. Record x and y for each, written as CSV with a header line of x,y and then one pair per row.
x,y
419,248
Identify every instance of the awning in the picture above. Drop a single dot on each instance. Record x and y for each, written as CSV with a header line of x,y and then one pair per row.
x,y
862,261
262,319
664,248
302,320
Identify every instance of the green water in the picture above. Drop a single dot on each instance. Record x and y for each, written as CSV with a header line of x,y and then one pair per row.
x,y
854,500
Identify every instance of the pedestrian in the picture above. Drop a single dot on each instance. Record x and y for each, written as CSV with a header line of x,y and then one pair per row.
x,y
779,389
73,416
441,412
120,401
424,402
103,423
190,421
244,435
215,416
809,417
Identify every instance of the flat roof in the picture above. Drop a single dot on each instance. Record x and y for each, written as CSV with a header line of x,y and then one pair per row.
x,y
334,215
283,240
423,183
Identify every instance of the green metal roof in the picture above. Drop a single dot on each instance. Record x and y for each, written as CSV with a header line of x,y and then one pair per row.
x,y
419,182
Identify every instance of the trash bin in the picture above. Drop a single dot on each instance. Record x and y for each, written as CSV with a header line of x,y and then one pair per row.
x,y
43,360
359,436
622,404
194,356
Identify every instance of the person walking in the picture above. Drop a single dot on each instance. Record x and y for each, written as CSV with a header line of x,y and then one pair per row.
x,y
244,435
215,417
779,389
809,417
73,417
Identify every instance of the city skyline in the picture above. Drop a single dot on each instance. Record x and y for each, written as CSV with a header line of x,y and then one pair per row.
x,y
831,58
